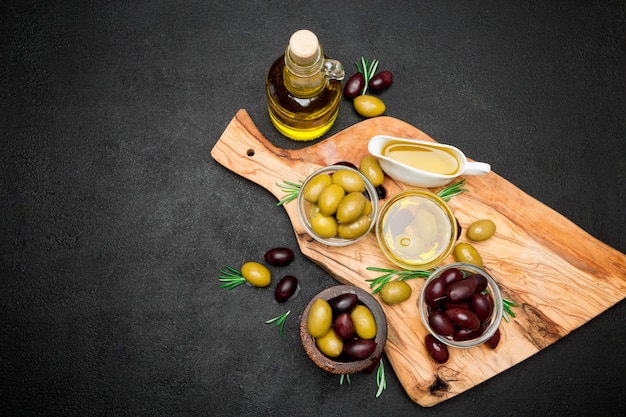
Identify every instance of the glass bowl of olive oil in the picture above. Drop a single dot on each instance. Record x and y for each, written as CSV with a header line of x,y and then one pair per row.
x,y
416,229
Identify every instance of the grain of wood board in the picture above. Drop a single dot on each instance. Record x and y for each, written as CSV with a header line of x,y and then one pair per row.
x,y
560,276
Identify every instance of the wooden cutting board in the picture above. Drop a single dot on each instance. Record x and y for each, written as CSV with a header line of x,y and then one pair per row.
x,y
559,275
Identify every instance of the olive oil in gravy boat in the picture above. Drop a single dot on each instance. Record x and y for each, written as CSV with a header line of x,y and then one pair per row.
x,y
420,177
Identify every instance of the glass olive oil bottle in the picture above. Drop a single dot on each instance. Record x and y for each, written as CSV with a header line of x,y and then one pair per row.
x,y
304,89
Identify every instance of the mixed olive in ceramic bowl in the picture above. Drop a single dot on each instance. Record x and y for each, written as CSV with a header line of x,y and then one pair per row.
x,y
461,305
343,330
337,205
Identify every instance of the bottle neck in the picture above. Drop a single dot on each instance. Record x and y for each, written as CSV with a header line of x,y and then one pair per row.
x,y
304,79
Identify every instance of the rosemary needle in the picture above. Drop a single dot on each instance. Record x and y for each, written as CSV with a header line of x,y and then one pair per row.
x,y
291,189
279,321
381,381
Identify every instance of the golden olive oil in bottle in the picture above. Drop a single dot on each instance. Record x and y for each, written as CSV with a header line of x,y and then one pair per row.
x,y
304,89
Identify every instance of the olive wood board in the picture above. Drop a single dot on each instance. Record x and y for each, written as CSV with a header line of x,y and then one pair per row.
x,y
560,275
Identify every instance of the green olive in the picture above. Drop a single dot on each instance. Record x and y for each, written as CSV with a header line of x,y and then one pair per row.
x,y
464,252
256,274
370,167
324,226
330,198
314,187
320,318
330,344
395,292
368,106
364,322
481,230
351,207
349,180
368,207
354,229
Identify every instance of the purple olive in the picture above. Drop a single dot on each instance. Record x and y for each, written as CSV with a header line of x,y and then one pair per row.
x,y
381,192
482,305
343,303
354,86
372,367
494,340
459,229
464,319
359,349
480,280
285,288
460,291
346,164
279,256
434,293
451,275
440,323
461,335
344,326
448,305
381,81
437,350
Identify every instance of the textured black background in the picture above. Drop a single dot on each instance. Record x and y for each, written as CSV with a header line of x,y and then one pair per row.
x,y
115,219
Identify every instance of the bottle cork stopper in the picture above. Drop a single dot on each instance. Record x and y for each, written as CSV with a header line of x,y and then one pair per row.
x,y
303,47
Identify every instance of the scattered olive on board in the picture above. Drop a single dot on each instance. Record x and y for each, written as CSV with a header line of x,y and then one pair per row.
x,y
279,256
437,350
481,230
369,106
464,252
285,288
395,292
494,340
370,168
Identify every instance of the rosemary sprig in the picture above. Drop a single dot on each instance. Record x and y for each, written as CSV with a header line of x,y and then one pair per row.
x,y
381,381
345,377
507,305
291,189
231,278
451,191
392,275
279,321
368,70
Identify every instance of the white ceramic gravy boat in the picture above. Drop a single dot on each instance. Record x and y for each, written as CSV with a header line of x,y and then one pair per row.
x,y
419,177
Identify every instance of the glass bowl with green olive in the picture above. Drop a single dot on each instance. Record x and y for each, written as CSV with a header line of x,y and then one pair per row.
x,y
343,330
416,229
461,305
337,205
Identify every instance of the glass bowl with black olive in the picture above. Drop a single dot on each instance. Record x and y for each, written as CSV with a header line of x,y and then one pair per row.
x,y
337,205
344,330
461,305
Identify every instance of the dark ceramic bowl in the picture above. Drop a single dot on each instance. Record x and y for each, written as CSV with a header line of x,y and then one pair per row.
x,y
337,366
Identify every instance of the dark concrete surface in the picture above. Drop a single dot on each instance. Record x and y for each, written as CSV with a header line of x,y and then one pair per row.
x,y
115,219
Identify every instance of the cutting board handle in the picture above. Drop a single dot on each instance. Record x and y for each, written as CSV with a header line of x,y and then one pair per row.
x,y
243,149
